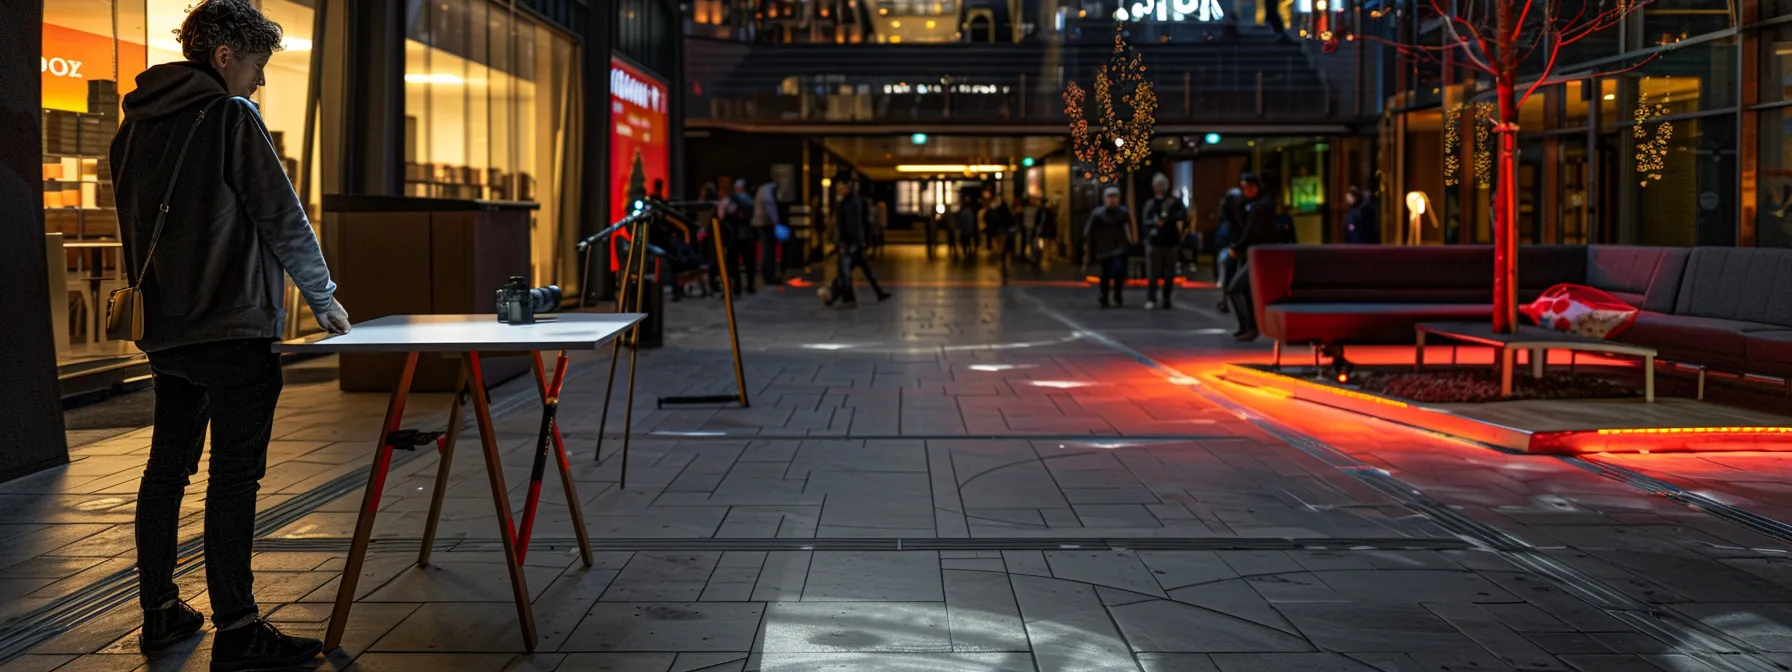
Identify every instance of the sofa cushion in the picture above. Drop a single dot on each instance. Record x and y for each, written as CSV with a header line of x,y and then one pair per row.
x,y
1745,284
1645,277
1697,340
1362,323
1391,274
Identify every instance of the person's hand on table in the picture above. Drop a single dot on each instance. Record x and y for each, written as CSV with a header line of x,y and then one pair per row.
x,y
334,319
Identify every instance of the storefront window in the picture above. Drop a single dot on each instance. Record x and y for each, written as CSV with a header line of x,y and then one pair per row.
x,y
487,110
1776,63
1773,226
1693,202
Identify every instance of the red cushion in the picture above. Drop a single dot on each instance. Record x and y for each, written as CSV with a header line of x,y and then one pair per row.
x,y
1582,310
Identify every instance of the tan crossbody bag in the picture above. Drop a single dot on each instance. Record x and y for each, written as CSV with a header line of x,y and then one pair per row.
x,y
124,308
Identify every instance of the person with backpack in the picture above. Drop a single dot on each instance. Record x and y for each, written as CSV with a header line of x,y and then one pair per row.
x,y
1165,219
210,224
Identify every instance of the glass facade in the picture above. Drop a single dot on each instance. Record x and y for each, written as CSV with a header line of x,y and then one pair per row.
x,y
488,108
1646,147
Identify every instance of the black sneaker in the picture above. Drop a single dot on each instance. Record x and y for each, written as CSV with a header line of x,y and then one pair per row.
x,y
884,296
259,646
169,625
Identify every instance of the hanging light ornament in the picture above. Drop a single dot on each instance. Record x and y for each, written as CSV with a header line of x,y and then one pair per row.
x,y
1483,145
1651,148
1122,144
1453,145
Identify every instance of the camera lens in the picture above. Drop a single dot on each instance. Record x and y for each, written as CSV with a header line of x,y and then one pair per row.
x,y
545,299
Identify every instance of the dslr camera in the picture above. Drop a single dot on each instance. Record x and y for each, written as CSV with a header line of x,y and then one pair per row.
x,y
518,303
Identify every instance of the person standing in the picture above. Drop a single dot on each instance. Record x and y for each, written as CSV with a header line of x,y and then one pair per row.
x,y
765,226
966,234
1031,225
850,237
1165,219
741,241
1259,228
1231,216
210,223
1362,222
1108,238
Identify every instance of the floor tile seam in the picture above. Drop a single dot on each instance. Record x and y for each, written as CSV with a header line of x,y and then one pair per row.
x,y
1760,524
1685,637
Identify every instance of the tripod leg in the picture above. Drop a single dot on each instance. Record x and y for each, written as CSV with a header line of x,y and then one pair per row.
x,y
622,306
740,379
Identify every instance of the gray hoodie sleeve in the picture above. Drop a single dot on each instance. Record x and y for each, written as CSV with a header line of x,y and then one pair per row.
x,y
265,194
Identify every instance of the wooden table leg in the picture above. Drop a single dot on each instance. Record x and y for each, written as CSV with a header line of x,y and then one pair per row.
x,y
573,503
443,467
370,506
1539,359
1506,357
494,468
1649,379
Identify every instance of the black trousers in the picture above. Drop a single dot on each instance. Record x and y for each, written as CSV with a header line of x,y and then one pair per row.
x,y
743,266
1160,267
851,259
768,259
232,388
1238,295
1113,277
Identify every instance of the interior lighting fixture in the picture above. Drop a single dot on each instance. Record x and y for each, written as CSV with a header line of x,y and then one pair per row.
x,y
1211,139
918,138
949,168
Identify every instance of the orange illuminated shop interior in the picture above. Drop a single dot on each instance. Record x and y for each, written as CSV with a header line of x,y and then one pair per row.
x,y
92,52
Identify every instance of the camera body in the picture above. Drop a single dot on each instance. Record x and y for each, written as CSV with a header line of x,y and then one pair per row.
x,y
518,303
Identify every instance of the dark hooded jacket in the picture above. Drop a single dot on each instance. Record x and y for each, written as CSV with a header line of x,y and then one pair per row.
x,y
1108,233
233,221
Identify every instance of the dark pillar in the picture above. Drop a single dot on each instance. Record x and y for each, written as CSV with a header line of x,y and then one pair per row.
x,y
31,418
675,118
598,39
373,127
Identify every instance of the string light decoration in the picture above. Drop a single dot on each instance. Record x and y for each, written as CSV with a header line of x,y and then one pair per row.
x,y
1453,145
1120,144
1483,144
1651,148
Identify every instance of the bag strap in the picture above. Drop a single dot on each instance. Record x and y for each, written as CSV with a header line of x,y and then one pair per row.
x,y
167,195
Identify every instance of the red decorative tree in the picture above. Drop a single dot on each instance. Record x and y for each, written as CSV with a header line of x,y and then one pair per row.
x,y
1499,40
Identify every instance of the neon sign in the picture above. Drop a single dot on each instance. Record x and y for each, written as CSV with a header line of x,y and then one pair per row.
x,y
1171,10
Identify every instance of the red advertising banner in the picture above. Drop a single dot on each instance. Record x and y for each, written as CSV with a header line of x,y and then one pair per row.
x,y
639,160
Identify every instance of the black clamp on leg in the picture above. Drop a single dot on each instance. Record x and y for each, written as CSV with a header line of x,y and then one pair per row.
x,y
411,439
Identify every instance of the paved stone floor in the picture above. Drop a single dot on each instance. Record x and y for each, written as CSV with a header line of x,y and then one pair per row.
x,y
968,477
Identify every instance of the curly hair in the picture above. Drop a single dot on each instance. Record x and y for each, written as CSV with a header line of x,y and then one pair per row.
x,y
233,23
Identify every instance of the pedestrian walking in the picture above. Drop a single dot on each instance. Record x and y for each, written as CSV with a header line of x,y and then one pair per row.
x,y
1165,218
1108,238
196,171
851,236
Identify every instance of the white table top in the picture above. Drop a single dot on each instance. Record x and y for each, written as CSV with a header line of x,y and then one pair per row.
x,y
471,333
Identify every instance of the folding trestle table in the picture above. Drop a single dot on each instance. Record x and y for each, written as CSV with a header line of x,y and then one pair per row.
x,y
468,337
